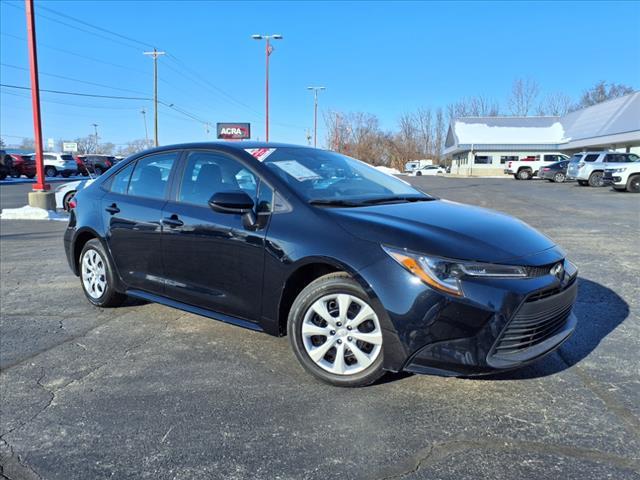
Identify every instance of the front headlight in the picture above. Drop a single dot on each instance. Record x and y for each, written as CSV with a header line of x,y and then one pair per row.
x,y
444,274
617,170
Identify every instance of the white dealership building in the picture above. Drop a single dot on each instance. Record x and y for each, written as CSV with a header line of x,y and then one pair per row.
x,y
483,145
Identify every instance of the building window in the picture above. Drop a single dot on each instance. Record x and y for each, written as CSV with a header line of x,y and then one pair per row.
x,y
509,158
482,160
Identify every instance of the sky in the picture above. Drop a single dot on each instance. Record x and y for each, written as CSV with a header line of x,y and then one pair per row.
x,y
385,58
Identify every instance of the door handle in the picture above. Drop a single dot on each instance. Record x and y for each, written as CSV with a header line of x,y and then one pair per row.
x,y
172,221
112,209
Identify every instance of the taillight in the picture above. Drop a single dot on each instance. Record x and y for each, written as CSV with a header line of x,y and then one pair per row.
x,y
580,165
546,169
107,163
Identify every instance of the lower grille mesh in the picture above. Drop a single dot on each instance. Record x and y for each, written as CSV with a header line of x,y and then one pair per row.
x,y
539,318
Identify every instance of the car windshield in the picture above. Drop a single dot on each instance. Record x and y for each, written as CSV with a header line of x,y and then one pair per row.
x,y
324,177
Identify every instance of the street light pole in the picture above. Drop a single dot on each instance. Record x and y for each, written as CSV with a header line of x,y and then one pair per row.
x,y
95,129
268,50
40,185
155,54
315,113
146,131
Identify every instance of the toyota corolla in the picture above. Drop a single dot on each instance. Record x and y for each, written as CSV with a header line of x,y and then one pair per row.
x,y
364,273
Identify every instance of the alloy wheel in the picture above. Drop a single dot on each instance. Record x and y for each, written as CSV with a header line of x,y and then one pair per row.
x,y
94,273
559,177
341,333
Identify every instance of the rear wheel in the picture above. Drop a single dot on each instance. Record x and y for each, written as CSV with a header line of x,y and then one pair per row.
x,y
596,179
559,177
97,276
418,174
524,174
633,184
335,332
583,183
50,171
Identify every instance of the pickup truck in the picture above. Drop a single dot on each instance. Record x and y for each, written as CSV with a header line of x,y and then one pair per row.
x,y
527,167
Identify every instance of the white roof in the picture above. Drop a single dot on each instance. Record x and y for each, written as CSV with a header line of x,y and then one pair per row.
x,y
616,120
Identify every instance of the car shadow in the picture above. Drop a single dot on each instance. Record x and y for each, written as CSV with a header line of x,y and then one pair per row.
x,y
599,311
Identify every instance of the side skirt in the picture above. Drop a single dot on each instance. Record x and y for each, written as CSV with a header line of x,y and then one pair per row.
x,y
191,309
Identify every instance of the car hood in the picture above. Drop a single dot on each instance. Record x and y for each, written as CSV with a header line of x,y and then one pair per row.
x,y
448,229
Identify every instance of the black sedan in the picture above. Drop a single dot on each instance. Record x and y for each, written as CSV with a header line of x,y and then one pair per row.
x,y
556,172
364,273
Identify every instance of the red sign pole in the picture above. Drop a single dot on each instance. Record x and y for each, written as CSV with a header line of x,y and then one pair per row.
x,y
40,184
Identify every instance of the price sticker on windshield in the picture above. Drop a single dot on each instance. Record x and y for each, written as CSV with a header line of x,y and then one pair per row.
x,y
297,170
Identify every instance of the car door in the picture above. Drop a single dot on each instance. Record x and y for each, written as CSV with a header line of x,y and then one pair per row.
x,y
214,260
132,213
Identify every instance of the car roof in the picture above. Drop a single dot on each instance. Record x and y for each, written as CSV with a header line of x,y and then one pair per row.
x,y
239,146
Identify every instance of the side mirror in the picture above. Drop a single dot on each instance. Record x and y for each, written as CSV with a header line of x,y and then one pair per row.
x,y
231,202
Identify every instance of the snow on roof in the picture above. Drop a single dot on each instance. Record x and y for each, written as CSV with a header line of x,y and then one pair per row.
x,y
613,117
504,130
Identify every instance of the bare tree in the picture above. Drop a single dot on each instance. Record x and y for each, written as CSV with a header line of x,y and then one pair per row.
x,y
524,93
601,92
28,144
557,104
134,146
475,106
440,134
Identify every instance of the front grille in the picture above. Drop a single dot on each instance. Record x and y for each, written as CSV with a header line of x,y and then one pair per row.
x,y
541,270
541,316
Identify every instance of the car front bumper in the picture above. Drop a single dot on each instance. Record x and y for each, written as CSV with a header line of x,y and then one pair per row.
x,y
500,324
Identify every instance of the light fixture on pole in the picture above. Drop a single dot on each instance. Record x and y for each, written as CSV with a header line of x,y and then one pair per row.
x,y
268,50
146,130
315,113
95,129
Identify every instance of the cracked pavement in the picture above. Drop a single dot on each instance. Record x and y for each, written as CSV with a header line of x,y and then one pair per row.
x,y
145,391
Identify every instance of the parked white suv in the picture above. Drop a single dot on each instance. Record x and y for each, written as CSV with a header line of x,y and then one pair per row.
x,y
59,163
588,167
623,178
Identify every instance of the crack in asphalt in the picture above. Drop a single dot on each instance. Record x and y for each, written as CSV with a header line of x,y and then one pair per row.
x,y
440,451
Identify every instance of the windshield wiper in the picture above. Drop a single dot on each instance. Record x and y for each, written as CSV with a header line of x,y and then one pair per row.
x,y
396,199
334,202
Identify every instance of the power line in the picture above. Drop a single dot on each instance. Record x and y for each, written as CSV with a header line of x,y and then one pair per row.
x,y
72,79
78,94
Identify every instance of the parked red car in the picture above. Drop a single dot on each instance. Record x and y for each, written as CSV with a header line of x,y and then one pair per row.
x,y
23,165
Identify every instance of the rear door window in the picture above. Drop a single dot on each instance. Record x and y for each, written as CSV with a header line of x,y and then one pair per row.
x,y
150,176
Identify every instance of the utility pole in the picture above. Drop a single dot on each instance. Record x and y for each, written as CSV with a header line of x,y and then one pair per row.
x,y
155,54
315,113
95,130
146,131
40,185
268,50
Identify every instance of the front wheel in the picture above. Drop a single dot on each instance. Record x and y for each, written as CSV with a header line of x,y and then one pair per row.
x,y
418,174
31,176
66,175
97,276
50,172
596,179
633,184
335,332
15,174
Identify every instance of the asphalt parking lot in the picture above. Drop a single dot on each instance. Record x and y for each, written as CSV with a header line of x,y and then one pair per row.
x,y
145,391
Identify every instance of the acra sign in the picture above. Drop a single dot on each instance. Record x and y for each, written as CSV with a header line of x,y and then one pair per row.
x,y
234,131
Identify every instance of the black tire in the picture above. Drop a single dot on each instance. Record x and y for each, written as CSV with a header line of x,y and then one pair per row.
x,y
32,176
596,179
3,175
66,199
110,297
85,173
583,183
633,184
525,174
50,171
559,177
65,175
418,174
333,283
515,175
